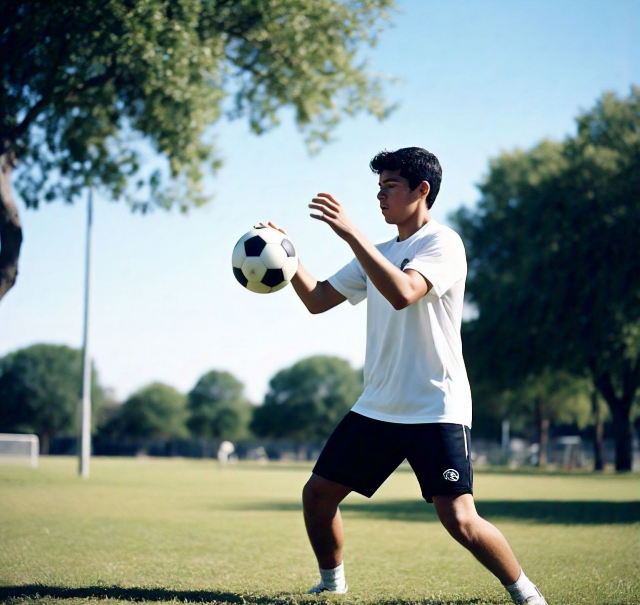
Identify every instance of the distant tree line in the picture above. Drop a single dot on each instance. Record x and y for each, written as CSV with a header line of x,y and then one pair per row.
x,y
40,393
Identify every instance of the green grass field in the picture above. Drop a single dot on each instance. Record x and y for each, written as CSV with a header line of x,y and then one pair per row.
x,y
155,530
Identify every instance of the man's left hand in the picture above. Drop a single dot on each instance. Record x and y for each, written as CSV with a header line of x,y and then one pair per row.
x,y
333,214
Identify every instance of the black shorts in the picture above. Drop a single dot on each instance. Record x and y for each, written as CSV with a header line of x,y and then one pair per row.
x,y
362,452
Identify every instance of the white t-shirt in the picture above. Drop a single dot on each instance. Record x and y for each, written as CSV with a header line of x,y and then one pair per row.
x,y
414,371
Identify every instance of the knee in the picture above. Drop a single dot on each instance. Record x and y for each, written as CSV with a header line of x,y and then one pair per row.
x,y
318,499
463,527
312,495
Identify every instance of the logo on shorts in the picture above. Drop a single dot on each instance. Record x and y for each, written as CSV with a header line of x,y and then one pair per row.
x,y
451,474
405,262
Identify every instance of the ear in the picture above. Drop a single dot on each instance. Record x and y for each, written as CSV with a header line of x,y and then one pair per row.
x,y
425,188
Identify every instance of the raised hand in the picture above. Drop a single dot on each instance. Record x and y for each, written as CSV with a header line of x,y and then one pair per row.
x,y
333,213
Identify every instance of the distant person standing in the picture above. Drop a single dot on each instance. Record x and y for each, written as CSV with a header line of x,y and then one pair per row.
x,y
225,451
416,402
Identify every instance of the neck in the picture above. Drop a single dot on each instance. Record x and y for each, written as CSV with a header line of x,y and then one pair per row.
x,y
413,224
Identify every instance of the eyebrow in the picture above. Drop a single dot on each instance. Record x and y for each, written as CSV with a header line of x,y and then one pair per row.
x,y
393,179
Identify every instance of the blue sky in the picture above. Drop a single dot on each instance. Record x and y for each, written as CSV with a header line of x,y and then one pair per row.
x,y
477,78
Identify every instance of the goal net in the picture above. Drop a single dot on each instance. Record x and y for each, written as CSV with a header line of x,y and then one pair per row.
x,y
19,449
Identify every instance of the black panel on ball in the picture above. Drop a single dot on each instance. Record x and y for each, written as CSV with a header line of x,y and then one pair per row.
x,y
288,247
273,277
240,277
254,246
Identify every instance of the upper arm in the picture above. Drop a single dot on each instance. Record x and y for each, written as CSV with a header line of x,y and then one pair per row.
x,y
442,262
330,297
419,285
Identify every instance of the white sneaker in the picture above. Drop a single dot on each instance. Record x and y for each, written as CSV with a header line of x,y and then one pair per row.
x,y
535,601
320,588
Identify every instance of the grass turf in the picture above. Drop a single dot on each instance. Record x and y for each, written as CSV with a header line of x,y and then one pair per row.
x,y
155,530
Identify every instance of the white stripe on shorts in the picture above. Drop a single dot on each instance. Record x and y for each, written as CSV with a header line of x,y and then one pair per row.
x,y
466,450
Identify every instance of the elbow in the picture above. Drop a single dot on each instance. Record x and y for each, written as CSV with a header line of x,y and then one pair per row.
x,y
400,303
314,309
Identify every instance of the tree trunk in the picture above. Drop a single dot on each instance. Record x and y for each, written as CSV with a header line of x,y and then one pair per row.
x,y
598,438
622,436
543,422
10,228
620,407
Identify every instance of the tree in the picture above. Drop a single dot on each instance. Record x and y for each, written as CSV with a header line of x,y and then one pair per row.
x,y
307,400
217,407
156,411
547,399
553,249
82,81
40,391
533,406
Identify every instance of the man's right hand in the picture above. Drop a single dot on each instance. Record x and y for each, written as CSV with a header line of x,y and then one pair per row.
x,y
317,296
270,224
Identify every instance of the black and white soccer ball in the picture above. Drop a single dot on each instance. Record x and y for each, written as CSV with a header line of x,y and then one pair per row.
x,y
264,260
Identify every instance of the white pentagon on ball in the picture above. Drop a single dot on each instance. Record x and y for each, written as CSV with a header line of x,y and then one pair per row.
x,y
264,260
274,256
290,267
254,269
258,288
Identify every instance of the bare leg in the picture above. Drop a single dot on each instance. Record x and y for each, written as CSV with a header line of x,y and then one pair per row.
x,y
320,500
459,516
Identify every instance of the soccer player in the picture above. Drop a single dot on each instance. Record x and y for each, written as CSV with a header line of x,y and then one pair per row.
x,y
416,402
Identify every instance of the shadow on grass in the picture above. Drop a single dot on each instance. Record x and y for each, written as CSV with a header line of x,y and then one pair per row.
x,y
524,471
581,512
37,591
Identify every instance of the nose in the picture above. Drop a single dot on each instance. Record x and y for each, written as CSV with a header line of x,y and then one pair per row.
x,y
380,196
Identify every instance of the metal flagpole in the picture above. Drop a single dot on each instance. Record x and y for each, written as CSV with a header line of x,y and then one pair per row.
x,y
85,438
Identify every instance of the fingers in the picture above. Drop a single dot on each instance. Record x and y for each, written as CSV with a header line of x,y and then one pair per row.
x,y
329,203
330,198
326,210
328,206
272,225
321,217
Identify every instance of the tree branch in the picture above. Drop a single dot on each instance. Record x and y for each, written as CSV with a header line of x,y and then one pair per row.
x,y
49,95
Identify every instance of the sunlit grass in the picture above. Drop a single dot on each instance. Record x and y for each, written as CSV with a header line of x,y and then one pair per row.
x,y
189,530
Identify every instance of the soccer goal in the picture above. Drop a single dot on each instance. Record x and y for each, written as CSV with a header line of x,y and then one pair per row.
x,y
19,448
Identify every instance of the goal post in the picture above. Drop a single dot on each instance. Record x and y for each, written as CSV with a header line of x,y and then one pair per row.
x,y
18,448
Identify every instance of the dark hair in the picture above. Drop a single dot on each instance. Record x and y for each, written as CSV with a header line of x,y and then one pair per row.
x,y
415,165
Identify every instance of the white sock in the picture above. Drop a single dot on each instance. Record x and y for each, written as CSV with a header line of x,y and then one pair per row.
x,y
333,579
523,589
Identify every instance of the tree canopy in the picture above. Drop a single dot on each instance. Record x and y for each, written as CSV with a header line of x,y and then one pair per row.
x,y
82,81
307,400
553,251
156,411
218,408
40,391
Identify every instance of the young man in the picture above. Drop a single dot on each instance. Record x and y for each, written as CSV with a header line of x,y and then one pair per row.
x,y
416,402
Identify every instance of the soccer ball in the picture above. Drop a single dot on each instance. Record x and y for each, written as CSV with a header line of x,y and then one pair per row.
x,y
264,260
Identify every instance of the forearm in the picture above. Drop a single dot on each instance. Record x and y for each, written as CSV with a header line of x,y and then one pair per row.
x,y
308,289
390,281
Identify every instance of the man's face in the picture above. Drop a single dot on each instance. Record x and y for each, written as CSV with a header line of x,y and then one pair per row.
x,y
397,201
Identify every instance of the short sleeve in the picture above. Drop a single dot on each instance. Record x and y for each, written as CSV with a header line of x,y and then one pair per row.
x,y
351,282
441,260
